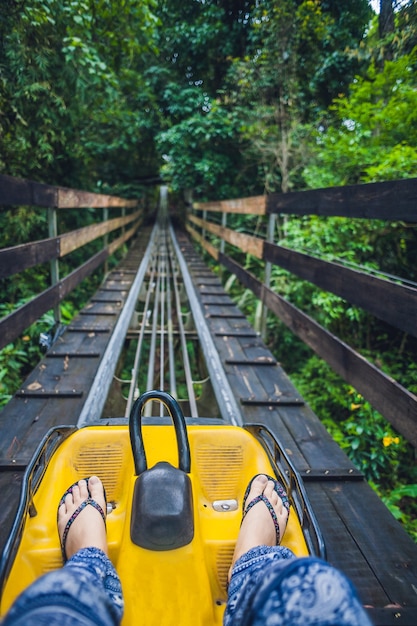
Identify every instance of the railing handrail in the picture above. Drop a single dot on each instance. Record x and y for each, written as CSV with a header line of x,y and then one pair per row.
x,y
386,299
20,191
367,201
15,259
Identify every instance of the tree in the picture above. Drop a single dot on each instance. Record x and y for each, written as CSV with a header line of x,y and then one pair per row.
x,y
74,107
279,85
386,18
372,133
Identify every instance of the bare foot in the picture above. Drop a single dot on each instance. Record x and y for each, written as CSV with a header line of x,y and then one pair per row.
x,y
88,529
258,528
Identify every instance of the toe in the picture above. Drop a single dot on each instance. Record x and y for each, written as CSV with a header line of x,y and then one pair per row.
x,y
97,490
258,484
257,487
82,489
269,489
62,509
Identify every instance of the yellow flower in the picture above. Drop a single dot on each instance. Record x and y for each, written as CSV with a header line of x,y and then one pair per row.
x,y
353,407
387,441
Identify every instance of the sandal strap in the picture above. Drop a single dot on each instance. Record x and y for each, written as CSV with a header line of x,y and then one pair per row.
x,y
282,494
88,501
264,499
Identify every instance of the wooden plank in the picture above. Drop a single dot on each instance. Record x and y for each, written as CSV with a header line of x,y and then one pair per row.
x,y
49,393
232,326
66,353
342,550
99,311
221,298
236,333
10,485
272,401
320,452
392,616
108,298
216,303
15,323
392,200
232,313
77,199
338,473
90,341
18,191
262,361
19,258
378,540
212,250
207,282
251,384
224,314
389,301
77,238
396,403
82,327
254,205
246,243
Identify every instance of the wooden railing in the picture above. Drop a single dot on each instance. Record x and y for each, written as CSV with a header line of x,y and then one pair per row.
x,y
13,260
394,303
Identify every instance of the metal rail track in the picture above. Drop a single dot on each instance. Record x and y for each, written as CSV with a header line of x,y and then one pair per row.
x,y
168,345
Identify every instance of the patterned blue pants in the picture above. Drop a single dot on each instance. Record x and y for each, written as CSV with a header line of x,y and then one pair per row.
x,y
85,592
269,587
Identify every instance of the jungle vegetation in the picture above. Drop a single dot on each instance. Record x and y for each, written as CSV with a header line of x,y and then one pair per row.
x,y
229,98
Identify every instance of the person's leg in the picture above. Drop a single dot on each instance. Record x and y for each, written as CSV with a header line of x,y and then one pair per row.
x,y
306,592
258,528
256,547
269,585
87,590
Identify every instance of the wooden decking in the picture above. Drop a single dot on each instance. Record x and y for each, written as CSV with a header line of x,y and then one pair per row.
x,y
361,536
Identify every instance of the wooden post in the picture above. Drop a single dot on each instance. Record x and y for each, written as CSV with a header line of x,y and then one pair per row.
x,y
222,241
54,263
204,218
106,238
267,279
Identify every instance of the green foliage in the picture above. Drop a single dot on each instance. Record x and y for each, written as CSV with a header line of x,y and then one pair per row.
x,y
401,502
74,107
18,358
200,151
372,133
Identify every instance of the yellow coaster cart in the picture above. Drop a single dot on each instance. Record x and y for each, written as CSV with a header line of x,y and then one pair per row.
x,y
172,524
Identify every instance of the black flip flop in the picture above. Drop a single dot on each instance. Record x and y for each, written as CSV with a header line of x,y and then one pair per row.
x,y
88,501
279,489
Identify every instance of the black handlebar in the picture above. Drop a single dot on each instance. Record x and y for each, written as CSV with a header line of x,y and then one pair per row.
x,y
135,430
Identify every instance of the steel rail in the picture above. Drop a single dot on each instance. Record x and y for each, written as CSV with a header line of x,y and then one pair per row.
x,y
225,399
164,285
186,360
138,353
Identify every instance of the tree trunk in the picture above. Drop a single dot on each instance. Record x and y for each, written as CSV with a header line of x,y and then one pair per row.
x,y
386,18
